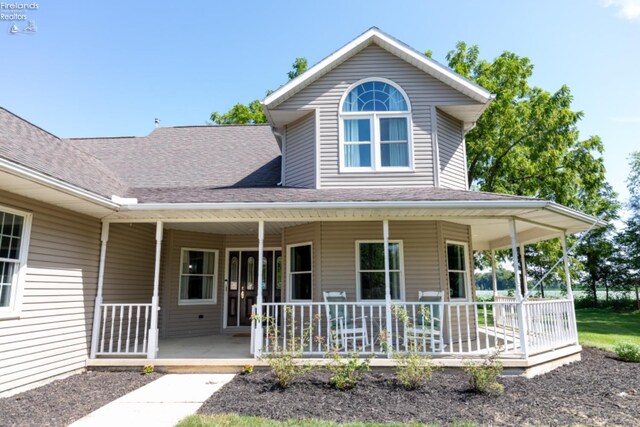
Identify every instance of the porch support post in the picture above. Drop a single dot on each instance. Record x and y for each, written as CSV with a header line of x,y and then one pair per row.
x,y
258,322
567,274
387,284
523,270
152,350
522,323
494,279
104,237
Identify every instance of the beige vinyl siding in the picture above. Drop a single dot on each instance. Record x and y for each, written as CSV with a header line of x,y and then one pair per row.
x,y
422,90
53,334
420,250
129,264
307,233
184,320
300,153
453,172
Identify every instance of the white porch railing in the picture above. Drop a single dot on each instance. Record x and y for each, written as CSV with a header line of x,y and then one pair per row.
x,y
124,329
448,328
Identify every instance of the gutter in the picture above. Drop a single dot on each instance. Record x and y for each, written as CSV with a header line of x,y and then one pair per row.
x,y
56,184
336,205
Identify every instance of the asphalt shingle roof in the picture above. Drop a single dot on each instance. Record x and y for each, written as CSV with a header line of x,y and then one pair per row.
x,y
23,143
189,164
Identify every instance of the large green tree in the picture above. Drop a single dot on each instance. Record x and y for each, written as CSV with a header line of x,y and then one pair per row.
x,y
252,112
527,141
629,238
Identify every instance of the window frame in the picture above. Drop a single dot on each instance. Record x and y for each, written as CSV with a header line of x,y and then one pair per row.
x,y
14,309
467,277
374,123
358,271
289,272
214,294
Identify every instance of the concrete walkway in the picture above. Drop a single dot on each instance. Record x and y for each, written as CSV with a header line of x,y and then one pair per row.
x,y
160,403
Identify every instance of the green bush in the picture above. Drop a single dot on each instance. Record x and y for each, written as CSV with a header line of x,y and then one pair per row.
x,y
413,370
346,374
628,352
484,376
148,369
285,368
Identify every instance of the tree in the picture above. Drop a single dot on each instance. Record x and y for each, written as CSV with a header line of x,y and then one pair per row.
x,y
252,112
527,143
629,238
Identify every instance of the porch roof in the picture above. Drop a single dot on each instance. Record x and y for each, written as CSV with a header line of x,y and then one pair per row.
x,y
486,213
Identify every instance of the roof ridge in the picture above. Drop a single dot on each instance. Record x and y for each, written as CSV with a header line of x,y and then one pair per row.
x,y
82,138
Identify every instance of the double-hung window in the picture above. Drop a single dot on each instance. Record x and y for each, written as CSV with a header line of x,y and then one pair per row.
x,y
300,269
14,234
375,128
370,270
458,271
198,276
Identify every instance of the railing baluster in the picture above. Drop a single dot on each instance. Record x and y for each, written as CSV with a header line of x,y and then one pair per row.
x,y
468,322
113,320
450,322
135,344
129,328
145,330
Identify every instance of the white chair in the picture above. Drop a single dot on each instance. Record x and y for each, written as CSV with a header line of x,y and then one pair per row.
x,y
426,330
342,325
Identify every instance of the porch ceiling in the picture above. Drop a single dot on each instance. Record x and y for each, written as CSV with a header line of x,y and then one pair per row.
x,y
536,220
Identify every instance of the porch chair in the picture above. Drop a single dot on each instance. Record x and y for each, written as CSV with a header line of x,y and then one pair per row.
x,y
427,330
342,325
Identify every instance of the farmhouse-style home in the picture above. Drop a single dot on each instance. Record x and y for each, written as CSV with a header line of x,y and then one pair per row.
x,y
196,244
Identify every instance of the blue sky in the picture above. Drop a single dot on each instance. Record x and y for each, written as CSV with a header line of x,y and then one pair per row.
x,y
110,68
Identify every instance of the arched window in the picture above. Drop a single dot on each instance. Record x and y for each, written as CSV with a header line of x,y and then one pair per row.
x,y
375,118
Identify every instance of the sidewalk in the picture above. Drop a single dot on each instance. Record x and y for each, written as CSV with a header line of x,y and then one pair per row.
x,y
163,402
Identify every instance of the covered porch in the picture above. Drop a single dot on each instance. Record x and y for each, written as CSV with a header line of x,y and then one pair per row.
x,y
518,328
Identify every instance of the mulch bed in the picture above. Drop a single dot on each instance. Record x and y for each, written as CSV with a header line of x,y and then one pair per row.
x,y
69,399
599,390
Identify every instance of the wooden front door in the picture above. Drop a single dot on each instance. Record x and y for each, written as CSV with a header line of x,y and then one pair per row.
x,y
242,283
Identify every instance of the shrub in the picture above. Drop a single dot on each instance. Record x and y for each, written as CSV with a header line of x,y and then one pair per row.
x,y
628,352
413,370
346,374
247,369
280,356
148,369
285,368
484,376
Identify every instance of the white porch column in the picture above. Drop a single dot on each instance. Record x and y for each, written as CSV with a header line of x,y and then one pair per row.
x,y
523,270
387,283
494,279
565,257
104,237
522,323
258,330
152,349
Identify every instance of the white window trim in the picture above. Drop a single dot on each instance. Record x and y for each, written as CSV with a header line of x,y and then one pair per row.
x,y
214,299
289,273
14,310
467,277
400,254
374,118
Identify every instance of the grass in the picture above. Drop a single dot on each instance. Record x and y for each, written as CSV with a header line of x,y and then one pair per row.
x,y
232,420
603,328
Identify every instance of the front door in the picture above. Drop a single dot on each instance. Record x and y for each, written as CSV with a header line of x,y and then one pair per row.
x,y
242,283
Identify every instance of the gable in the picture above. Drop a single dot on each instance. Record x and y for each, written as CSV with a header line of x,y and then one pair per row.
x,y
374,61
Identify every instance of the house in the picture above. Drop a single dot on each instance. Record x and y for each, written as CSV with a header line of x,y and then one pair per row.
x,y
113,249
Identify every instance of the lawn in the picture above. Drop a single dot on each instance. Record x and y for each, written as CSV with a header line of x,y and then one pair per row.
x,y
242,421
603,328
